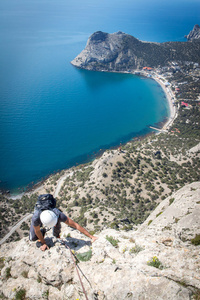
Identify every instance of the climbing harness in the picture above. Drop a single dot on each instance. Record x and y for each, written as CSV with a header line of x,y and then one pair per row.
x,y
74,258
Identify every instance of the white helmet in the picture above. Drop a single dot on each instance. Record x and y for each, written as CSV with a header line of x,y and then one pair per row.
x,y
48,218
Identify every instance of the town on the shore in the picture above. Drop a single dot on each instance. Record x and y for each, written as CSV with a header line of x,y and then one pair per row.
x,y
180,81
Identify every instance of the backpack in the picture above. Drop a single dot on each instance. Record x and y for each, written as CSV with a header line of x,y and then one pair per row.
x,y
44,202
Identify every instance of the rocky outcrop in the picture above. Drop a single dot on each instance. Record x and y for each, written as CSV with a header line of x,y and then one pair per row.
x,y
194,34
121,52
157,260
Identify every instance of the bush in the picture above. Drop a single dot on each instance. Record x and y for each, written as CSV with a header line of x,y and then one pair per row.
x,y
113,241
25,274
136,249
171,201
84,256
20,294
196,241
155,262
149,222
159,214
2,260
8,274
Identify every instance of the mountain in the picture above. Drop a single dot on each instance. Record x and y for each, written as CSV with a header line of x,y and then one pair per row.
x,y
194,34
122,52
157,260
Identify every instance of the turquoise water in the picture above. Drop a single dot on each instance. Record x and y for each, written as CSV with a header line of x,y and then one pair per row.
x,y
53,116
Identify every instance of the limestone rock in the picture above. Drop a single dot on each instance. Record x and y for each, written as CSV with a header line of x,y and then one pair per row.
x,y
194,34
115,271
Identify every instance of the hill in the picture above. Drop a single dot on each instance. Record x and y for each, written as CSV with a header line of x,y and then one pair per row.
x,y
121,52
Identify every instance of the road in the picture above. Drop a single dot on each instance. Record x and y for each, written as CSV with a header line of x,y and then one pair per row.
x,y
14,228
60,183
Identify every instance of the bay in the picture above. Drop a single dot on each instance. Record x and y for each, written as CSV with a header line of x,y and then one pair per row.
x,y
53,116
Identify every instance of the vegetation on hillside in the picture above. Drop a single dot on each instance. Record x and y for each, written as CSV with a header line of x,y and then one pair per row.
x,y
127,185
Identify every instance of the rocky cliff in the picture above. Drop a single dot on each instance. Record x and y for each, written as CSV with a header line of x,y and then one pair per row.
x,y
122,52
194,34
157,260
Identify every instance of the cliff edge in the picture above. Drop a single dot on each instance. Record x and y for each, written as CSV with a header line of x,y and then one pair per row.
x,y
157,260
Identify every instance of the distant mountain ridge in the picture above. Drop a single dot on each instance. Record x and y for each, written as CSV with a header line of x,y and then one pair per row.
x,y
122,52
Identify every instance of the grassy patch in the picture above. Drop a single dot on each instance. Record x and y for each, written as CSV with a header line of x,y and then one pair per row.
x,y
136,249
84,256
113,241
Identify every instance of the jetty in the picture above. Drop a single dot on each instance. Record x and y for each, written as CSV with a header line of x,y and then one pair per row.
x,y
158,129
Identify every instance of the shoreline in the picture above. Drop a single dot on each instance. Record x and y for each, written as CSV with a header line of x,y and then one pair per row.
x,y
40,186
170,96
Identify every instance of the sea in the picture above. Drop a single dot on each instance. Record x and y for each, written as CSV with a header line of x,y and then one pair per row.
x,y
54,116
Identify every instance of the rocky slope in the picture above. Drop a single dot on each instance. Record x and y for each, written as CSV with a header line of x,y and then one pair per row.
x,y
157,260
122,52
194,34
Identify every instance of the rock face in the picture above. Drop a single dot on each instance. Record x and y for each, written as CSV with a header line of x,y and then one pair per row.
x,y
157,260
105,49
194,34
124,53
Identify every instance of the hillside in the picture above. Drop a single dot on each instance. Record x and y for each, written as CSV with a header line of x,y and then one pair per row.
x,y
122,52
120,188
157,260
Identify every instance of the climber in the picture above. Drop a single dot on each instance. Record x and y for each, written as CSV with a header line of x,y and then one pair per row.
x,y
47,215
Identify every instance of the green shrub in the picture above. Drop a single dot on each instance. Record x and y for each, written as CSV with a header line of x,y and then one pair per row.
x,y
159,214
136,249
155,262
196,241
45,295
171,201
113,241
84,256
2,259
114,261
20,294
8,274
25,274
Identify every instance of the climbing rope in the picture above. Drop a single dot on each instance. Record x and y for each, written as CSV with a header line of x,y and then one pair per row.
x,y
74,261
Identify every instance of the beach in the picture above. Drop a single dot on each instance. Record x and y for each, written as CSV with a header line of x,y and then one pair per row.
x,y
170,97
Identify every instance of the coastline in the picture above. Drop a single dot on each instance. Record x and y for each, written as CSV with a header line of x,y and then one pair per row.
x,y
40,186
170,97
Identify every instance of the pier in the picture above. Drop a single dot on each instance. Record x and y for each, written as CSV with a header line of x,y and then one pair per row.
x,y
158,129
